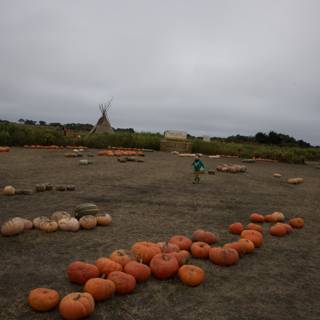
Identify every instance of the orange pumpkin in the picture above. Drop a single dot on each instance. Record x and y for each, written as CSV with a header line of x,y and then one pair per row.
x,y
296,223
76,305
240,247
182,256
140,271
122,256
80,272
255,236
236,228
124,282
204,236
164,266
106,265
254,226
200,250
191,275
103,219
88,222
182,242
256,217
145,251
100,289
270,218
43,299
223,256
278,230
248,244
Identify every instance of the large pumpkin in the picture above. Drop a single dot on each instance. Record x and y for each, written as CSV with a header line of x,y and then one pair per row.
x,y
200,250
255,236
88,222
223,256
256,217
236,228
182,242
240,247
122,256
85,209
191,275
69,224
103,219
76,305
12,227
254,226
145,251
140,271
106,265
80,272
164,266
100,289
204,236
9,190
43,299
124,282
296,222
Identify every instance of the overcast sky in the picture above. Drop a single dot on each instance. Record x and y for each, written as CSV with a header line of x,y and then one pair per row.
x,y
207,67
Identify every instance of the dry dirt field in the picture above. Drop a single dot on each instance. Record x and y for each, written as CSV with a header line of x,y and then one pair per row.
x,y
152,201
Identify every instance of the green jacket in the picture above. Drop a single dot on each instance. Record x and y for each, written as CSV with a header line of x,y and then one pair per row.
x,y
198,165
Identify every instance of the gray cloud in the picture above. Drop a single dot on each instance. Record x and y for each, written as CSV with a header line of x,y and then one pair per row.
x,y
208,67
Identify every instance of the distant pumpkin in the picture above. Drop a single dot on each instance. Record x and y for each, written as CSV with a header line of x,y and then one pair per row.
x,y
296,222
43,299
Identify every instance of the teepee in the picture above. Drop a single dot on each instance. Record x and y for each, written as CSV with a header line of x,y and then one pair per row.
x,y
103,124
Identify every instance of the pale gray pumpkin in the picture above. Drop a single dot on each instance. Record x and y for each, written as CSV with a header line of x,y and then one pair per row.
x,y
69,224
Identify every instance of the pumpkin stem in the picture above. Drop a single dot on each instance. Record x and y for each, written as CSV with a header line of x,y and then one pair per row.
x,y
77,297
103,276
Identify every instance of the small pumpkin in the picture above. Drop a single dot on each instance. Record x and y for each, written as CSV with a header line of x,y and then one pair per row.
x,y
36,221
100,289
182,242
257,218
106,265
254,226
122,256
69,224
204,236
191,275
295,180
182,256
236,228
88,222
248,244
223,256
58,215
255,236
43,299
145,251
164,266
9,191
270,218
296,222
141,272
80,272
278,216
168,247
278,230
200,250
103,219
240,247
76,305
124,282
41,187
12,227
48,226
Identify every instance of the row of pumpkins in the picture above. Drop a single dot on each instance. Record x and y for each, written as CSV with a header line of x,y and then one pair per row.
x,y
123,269
87,216
40,187
120,153
232,168
38,146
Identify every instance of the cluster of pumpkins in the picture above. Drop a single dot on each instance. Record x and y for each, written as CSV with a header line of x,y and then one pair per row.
x,y
87,216
232,168
38,146
120,153
41,187
123,269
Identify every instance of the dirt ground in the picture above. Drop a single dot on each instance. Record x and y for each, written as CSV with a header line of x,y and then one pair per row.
x,y
152,201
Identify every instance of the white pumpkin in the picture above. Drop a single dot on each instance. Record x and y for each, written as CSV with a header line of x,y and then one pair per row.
x,y
9,190
58,215
38,220
69,224
12,227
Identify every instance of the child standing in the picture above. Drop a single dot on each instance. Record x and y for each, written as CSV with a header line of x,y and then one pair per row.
x,y
198,168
